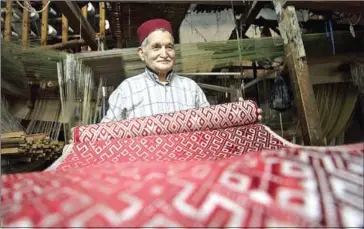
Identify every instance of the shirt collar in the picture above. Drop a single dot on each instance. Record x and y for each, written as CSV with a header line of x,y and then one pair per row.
x,y
153,76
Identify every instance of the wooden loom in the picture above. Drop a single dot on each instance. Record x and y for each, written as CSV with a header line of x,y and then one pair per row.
x,y
115,65
81,90
17,148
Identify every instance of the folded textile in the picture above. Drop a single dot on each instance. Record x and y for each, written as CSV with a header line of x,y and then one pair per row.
x,y
307,187
198,145
197,168
206,118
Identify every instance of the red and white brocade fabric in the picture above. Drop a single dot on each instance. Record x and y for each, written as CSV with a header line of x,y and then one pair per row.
x,y
198,145
198,119
209,167
212,133
292,187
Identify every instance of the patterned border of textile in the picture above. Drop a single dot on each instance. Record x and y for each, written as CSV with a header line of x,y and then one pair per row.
x,y
320,187
198,145
209,118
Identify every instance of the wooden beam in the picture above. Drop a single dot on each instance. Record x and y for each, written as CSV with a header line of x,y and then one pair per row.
x,y
63,45
217,88
204,2
84,14
337,6
44,30
59,19
8,18
248,17
297,66
84,11
316,26
102,19
25,28
233,88
75,19
64,28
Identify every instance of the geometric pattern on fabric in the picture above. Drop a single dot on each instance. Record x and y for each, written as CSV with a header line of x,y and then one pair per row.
x,y
290,187
198,145
198,119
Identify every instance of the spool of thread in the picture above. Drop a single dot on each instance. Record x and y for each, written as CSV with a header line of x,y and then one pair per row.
x,y
104,91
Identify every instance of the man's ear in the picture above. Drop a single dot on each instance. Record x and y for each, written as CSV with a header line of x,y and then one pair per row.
x,y
141,53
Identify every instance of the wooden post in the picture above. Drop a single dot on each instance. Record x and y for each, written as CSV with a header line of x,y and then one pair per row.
x,y
44,31
297,65
76,21
64,29
235,84
8,19
84,14
62,45
102,19
84,11
25,28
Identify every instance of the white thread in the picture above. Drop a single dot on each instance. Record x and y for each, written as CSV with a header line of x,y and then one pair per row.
x,y
31,9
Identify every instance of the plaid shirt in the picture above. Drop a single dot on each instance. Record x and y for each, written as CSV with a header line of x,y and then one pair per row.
x,y
145,95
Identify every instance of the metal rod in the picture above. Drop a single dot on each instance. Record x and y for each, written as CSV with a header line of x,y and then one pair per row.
x,y
210,74
217,88
60,76
103,101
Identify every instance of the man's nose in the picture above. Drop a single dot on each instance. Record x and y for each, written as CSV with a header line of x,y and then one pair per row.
x,y
164,52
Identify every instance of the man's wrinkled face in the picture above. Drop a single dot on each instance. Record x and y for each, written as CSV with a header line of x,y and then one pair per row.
x,y
159,54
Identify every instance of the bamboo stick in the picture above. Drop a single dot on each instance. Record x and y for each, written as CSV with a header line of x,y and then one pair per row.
x,y
25,28
10,150
102,19
12,140
64,29
44,33
12,135
8,19
33,146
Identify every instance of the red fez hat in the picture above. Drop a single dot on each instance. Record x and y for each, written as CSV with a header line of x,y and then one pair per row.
x,y
149,26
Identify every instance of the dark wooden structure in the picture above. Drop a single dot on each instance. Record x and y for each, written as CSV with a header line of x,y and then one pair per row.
x,y
79,29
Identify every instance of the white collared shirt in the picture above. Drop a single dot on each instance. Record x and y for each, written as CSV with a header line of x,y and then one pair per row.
x,y
145,95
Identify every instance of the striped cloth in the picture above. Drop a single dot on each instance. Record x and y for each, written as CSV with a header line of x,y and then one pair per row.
x,y
144,95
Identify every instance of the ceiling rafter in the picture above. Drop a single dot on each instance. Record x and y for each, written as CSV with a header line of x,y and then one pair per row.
x,y
76,20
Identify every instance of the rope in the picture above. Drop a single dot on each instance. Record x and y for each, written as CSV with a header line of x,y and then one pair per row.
x,y
357,74
353,24
281,123
332,38
240,57
31,9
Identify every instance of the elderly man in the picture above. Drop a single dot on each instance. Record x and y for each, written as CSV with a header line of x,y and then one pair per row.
x,y
158,89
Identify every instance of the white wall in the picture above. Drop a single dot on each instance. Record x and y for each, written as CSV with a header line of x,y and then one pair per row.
x,y
196,27
210,26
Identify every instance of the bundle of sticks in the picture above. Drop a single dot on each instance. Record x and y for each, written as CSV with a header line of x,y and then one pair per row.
x,y
19,147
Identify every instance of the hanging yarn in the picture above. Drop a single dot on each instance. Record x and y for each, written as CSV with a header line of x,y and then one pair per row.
x,y
281,99
332,38
357,74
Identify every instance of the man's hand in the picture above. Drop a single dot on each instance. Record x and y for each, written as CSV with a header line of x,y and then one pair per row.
x,y
260,111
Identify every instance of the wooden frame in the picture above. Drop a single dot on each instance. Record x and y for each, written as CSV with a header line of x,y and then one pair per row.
x,y
102,19
299,74
44,32
75,19
68,9
25,28
8,19
64,29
